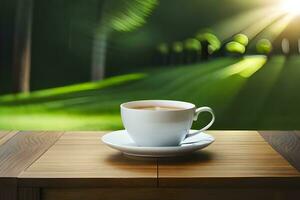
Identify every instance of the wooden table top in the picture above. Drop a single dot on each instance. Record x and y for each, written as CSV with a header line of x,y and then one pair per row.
x,y
71,159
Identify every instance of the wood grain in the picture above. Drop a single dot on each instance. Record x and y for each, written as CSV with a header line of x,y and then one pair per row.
x,y
287,143
6,135
169,194
23,149
8,186
76,165
237,158
79,159
3,134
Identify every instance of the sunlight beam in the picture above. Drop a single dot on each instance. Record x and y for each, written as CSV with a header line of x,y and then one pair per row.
x,y
276,29
256,28
241,22
255,65
245,68
290,6
273,31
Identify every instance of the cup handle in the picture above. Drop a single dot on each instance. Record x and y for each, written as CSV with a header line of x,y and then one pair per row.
x,y
197,112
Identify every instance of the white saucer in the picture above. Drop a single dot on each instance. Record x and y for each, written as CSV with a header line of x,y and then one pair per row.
x,y
120,140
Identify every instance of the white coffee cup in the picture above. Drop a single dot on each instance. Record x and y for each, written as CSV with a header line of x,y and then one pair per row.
x,y
150,128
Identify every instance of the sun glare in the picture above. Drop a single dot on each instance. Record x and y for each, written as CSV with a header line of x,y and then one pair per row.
x,y
290,6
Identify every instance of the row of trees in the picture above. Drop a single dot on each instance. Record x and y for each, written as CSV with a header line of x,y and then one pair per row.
x,y
207,44
190,50
239,44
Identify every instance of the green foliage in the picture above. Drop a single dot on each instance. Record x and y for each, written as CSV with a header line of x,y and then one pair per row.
x,y
163,48
127,15
211,49
192,44
264,46
205,30
235,47
241,38
177,47
214,43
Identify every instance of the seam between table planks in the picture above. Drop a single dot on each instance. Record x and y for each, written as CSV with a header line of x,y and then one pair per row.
x,y
8,149
8,186
21,151
274,180
26,180
38,157
63,133
7,137
297,133
286,144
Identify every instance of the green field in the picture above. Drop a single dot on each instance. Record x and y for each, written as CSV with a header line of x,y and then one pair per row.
x,y
246,93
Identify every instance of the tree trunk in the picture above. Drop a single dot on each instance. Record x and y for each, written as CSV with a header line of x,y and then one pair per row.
x,y
99,44
22,46
99,56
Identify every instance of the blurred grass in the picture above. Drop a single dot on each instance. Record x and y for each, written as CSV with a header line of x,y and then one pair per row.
x,y
245,94
71,89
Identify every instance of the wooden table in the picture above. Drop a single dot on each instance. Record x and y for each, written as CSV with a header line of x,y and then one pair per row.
x,y
77,166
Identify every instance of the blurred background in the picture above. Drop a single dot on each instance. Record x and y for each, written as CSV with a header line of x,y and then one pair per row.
x,y
69,64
